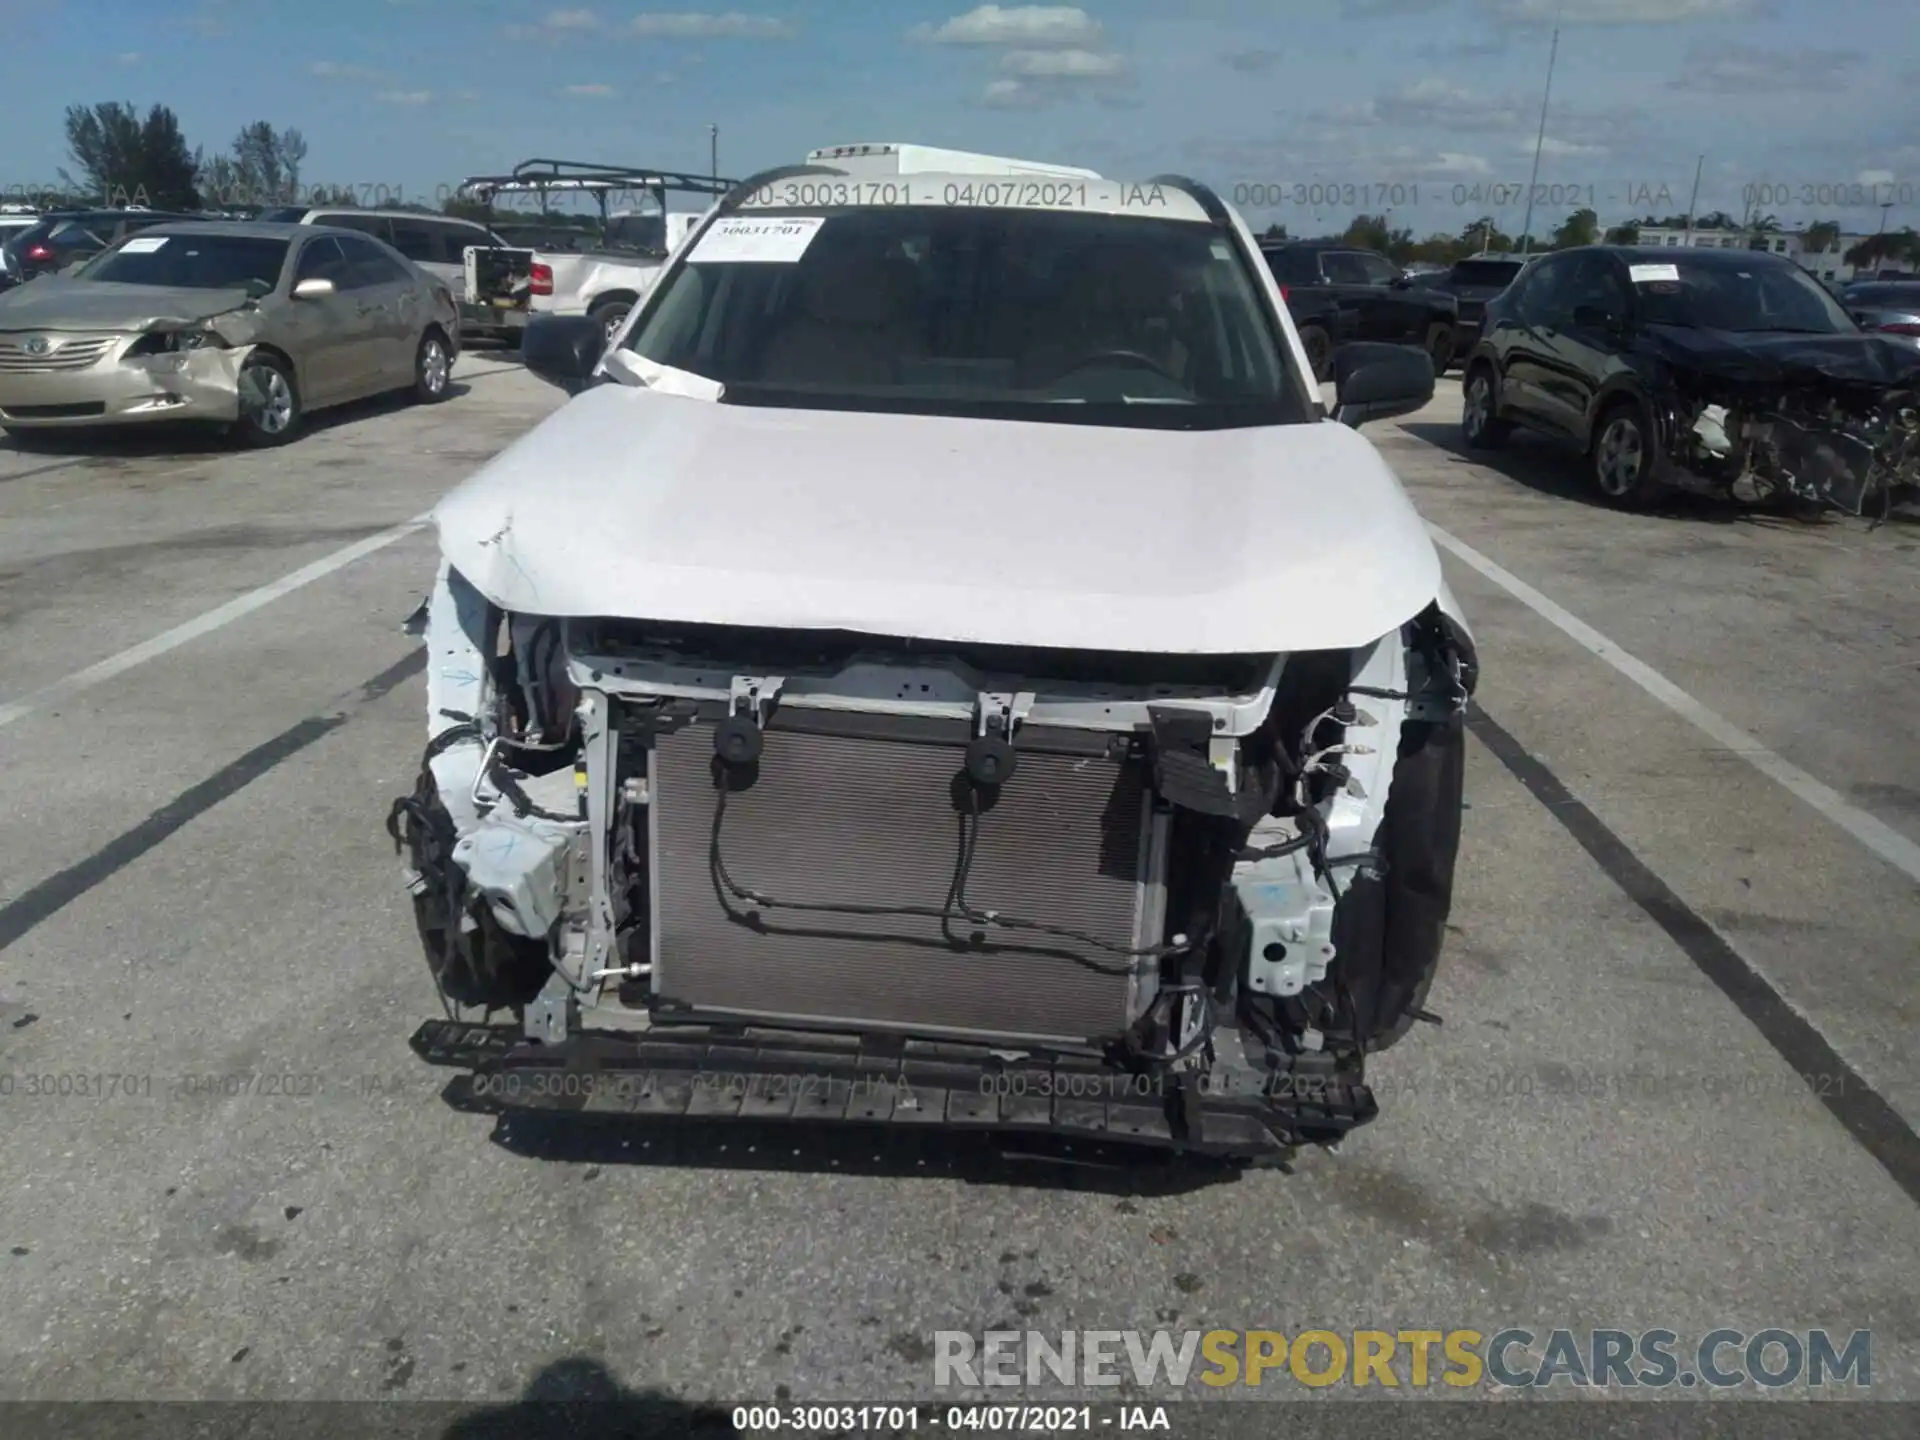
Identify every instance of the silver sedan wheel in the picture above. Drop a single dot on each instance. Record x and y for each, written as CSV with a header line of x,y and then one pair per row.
x,y
1621,456
433,365
266,398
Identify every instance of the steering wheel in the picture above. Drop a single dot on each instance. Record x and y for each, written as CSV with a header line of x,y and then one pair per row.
x,y
1134,358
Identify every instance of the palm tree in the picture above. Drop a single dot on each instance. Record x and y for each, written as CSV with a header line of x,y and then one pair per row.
x,y
1896,245
1581,228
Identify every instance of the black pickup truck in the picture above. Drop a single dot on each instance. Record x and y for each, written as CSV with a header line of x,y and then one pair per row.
x,y
1338,293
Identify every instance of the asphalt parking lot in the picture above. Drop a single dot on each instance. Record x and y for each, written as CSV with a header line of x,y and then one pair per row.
x,y
1654,937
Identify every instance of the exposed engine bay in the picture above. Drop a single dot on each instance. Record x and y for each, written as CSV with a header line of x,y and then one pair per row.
x,y
500,278
1852,444
732,871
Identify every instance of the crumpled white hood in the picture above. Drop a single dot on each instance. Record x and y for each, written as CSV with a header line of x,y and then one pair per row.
x,y
628,503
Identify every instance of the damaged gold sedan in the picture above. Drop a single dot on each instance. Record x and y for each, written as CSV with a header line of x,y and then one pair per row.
x,y
251,326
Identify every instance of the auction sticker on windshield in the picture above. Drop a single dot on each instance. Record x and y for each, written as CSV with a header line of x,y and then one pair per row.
x,y
778,242
143,244
1650,274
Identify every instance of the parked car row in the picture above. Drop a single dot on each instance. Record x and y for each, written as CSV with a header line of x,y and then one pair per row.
x,y
1338,293
62,239
1472,283
59,241
252,325
438,244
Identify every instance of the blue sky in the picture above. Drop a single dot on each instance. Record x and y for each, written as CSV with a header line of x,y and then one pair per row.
x,y
1442,94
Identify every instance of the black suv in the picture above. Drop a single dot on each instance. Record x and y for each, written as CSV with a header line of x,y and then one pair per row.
x,y
1603,345
67,237
1337,293
1473,282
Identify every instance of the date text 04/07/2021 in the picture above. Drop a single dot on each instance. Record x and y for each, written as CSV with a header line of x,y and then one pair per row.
x,y
1015,193
980,1419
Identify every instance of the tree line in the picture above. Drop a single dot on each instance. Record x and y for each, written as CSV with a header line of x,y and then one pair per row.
x,y
1583,227
121,157
124,158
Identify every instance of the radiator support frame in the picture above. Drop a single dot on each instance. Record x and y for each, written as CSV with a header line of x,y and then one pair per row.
x,y
658,739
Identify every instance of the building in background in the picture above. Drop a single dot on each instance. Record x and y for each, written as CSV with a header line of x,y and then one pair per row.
x,y
1828,263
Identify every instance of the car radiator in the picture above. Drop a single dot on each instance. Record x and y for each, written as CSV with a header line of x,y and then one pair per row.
x,y
862,810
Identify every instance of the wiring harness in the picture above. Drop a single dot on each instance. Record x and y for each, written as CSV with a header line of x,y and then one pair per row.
x,y
956,907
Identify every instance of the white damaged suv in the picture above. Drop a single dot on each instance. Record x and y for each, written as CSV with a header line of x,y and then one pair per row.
x,y
944,666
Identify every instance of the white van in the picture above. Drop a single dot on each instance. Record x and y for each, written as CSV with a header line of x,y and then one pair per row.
x,y
438,244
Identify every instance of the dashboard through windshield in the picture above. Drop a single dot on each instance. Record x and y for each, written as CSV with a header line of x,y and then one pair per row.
x,y
1758,298
1072,316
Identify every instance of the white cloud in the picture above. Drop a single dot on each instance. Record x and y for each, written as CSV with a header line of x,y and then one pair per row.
x,y
571,20
1874,177
127,57
702,25
1557,147
1753,70
1052,56
1035,92
1435,103
1442,111
1023,25
591,92
1061,64
329,70
1334,158
406,97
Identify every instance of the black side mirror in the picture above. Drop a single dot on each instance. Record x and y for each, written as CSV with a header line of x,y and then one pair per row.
x,y
1372,381
564,350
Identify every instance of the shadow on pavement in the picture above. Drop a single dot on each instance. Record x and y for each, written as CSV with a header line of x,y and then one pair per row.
x,y
184,438
896,1152
579,1399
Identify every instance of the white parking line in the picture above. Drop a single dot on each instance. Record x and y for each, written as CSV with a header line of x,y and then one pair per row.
x,y
1882,839
235,609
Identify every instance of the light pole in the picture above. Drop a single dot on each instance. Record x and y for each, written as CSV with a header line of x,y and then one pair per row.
x,y
1694,198
1539,140
713,153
